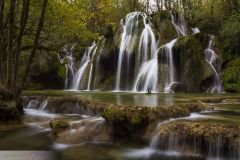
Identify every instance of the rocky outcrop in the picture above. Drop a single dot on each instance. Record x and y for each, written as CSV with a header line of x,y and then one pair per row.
x,y
77,130
191,64
178,88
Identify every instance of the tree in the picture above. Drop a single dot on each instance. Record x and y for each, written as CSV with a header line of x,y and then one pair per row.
x,y
11,36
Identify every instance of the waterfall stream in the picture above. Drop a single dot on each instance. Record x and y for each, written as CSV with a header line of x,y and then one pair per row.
x,y
179,23
69,66
147,76
137,64
86,60
130,29
211,58
169,54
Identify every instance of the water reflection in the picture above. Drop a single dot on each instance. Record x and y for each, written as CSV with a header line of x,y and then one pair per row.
x,y
145,100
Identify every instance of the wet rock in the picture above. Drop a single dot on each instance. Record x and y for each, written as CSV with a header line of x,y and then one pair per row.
x,y
74,105
77,131
132,118
58,125
178,88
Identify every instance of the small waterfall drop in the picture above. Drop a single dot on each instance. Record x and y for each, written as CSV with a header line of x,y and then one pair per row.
x,y
82,71
32,104
130,28
211,58
43,106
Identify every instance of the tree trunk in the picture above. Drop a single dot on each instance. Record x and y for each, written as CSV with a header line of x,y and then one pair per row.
x,y
37,36
1,39
10,42
23,22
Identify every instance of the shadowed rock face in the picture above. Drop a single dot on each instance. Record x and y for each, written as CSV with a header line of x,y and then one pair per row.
x,y
191,65
207,138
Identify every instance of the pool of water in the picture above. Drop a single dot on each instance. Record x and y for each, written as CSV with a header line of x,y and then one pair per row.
x,y
140,99
35,134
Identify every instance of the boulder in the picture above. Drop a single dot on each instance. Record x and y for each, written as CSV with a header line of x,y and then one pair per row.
x,y
178,87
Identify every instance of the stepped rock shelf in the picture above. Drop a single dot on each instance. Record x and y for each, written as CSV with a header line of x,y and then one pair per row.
x,y
193,126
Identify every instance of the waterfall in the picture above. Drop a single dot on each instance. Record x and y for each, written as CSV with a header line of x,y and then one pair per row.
x,y
171,69
179,23
91,69
82,71
130,28
211,58
69,66
147,76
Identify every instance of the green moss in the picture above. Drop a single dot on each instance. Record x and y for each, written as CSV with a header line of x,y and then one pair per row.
x,y
193,67
132,118
58,125
231,77
129,117
61,71
167,32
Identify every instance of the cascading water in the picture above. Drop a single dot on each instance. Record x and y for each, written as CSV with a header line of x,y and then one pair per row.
x,y
211,58
195,30
171,69
91,69
130,28
82,71
179,23
147,76
69,66
43,106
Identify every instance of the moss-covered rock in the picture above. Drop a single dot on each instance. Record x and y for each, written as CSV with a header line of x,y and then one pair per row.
x,y
128,117
166,32
77,130
231,76
192,66
133,118
58,125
